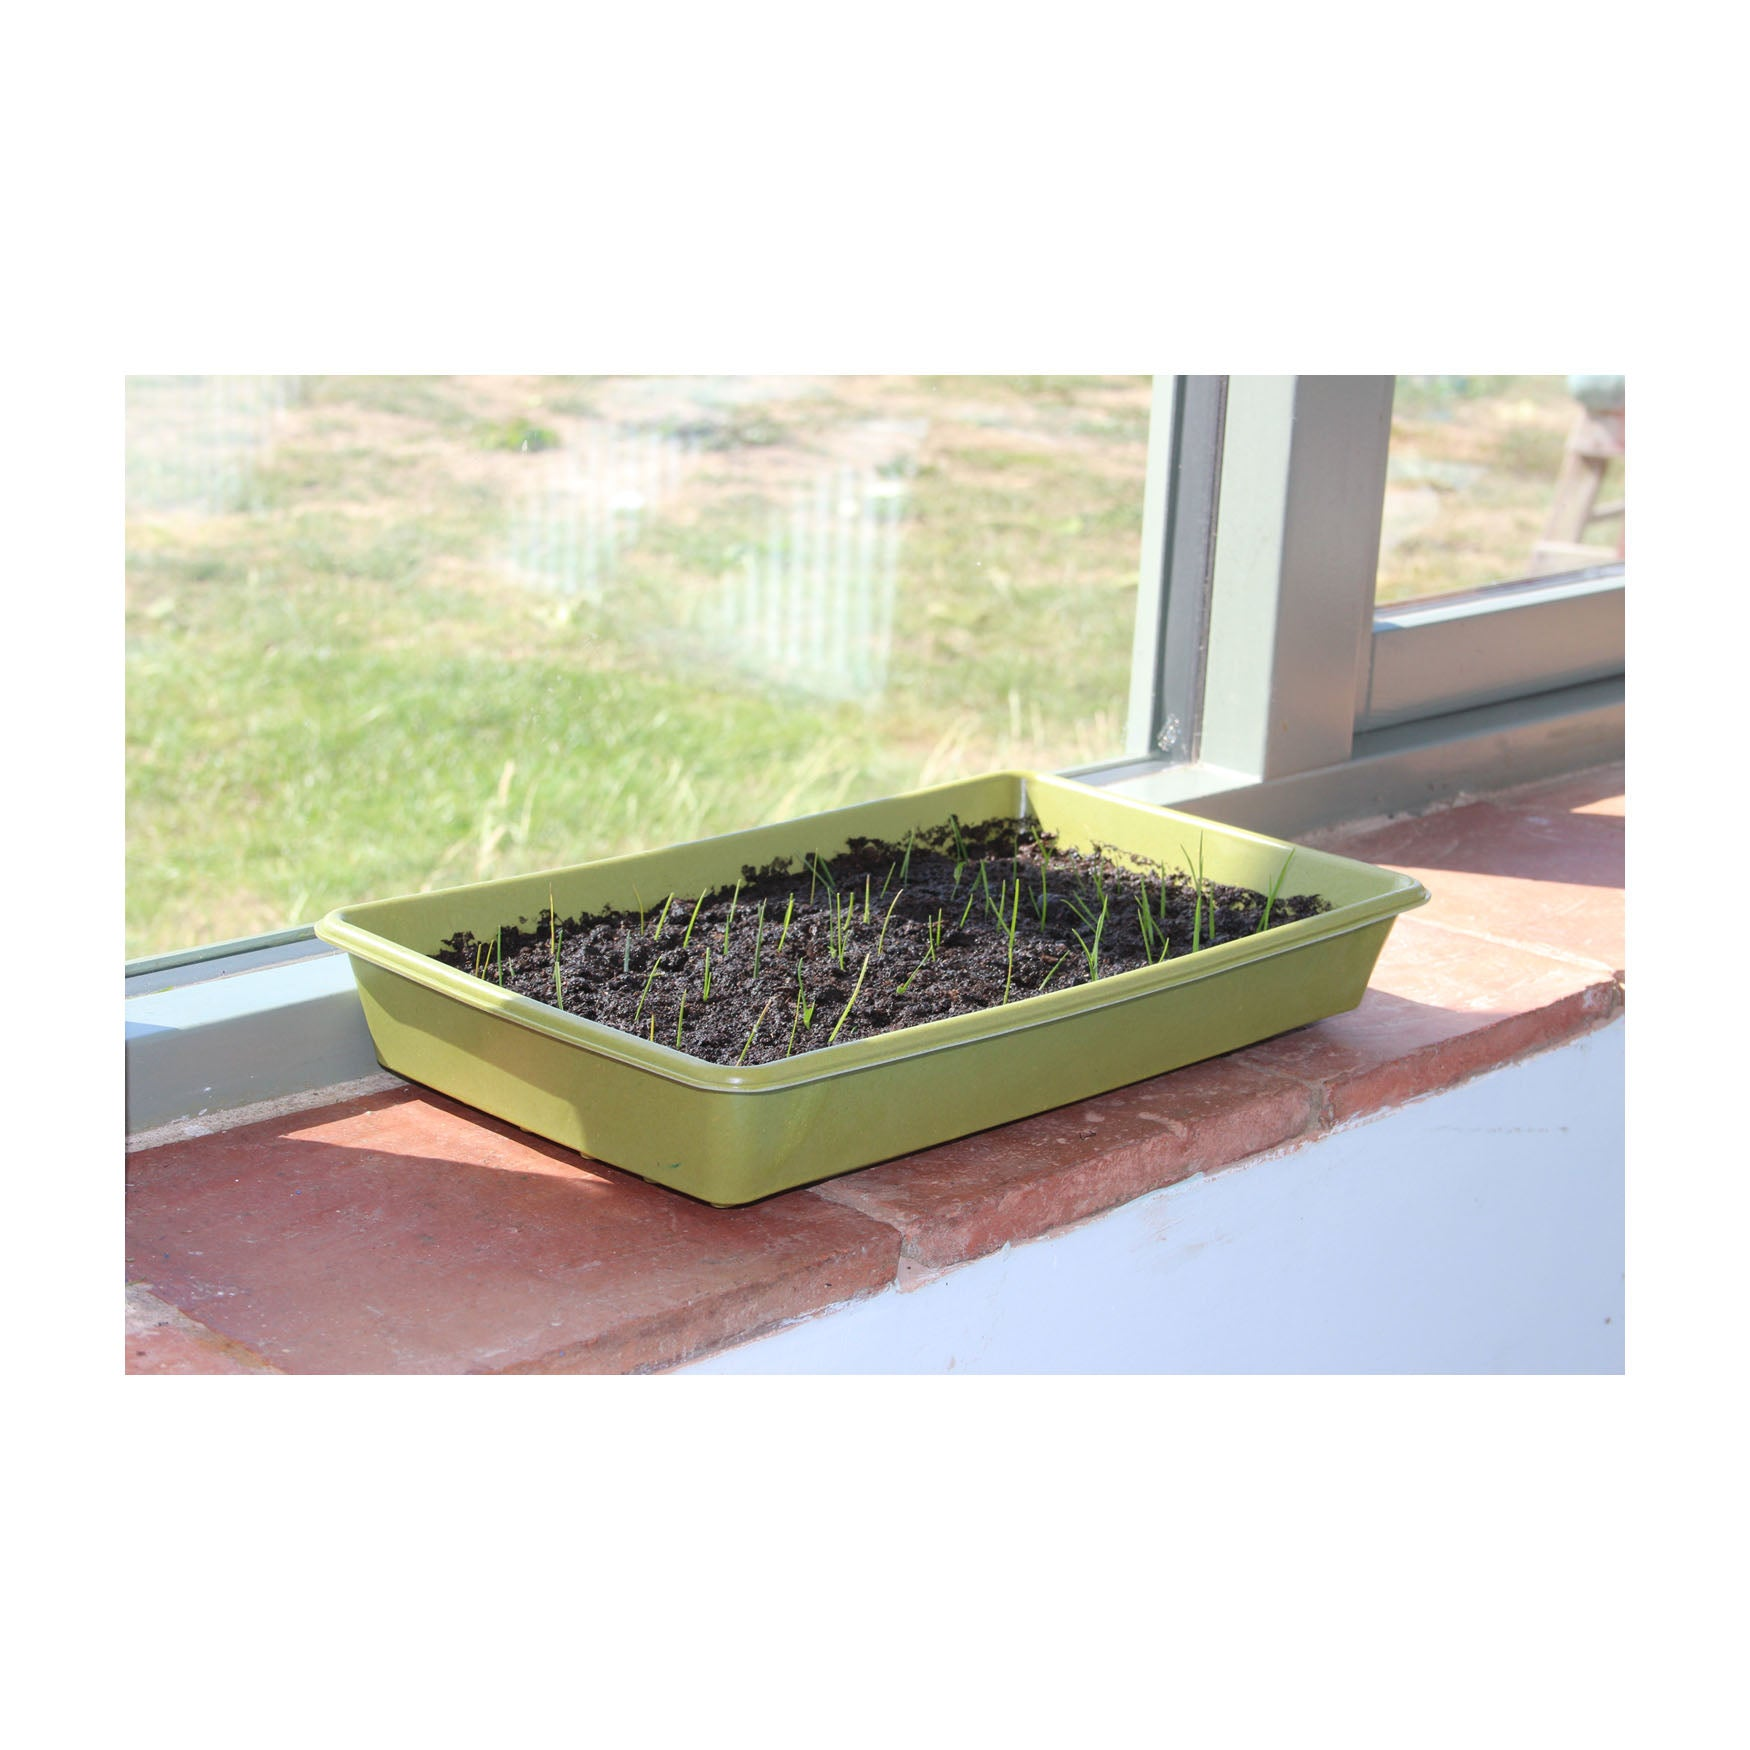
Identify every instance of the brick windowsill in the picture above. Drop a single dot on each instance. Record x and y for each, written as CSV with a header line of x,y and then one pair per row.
x,y
399,1232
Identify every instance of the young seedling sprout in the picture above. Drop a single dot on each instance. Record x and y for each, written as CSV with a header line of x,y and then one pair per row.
x,y
1054,966
789,908
625,951
692,920
866,899
880,941
650,980
845,1015
680,1021
1197,910
656,934
759,936
1014,919
731,918
1093,953
753,1030
900,990
553,945
705,994
1275,888
804,1013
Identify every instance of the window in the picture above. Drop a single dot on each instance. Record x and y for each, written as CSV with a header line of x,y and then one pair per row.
x,y
387,634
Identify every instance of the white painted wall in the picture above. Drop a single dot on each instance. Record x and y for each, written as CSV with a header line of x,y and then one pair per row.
x,y
1477,1231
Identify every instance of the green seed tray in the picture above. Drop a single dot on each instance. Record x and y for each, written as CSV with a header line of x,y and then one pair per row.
x,y
730,1136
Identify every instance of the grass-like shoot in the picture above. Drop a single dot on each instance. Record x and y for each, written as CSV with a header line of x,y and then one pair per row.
x,y
1092,954
881,940
1275,888
759,937
648,982
656,934
1054,966
705,994
736,895
804,1013
1014,919
553,946
845,1014
1197,911
789,911
753,1030
692,920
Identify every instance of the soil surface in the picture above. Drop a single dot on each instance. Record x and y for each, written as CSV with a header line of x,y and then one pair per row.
x,y
883,936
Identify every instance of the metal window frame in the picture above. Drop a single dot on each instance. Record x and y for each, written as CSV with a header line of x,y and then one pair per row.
x,y
1266,692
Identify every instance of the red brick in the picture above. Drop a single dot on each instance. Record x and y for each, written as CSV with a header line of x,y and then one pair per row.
x,y
406,1234
1543,877
160,1339
1443,1006
1004,1186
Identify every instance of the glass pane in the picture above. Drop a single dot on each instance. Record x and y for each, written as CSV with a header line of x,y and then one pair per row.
x,y
1498,479
389,634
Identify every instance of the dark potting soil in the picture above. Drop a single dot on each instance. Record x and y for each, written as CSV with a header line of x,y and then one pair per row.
x,y
880,937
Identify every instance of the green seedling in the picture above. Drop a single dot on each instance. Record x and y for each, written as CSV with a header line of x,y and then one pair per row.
x,y
866,899
656,934
886,881
1054,966
479,953
1075,903
731,918
989,904
1148,928
1197,909
935,931
971,899
650,980
817,868
845,1015
753,1030
881,940
759,937
1014,919
687,938
789,909
680,1021
960,849
705,994
1275,888
626,952
804,1013
553,945
1093,954
900,990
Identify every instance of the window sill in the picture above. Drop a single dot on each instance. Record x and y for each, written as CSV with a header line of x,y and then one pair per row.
x,y
395,1231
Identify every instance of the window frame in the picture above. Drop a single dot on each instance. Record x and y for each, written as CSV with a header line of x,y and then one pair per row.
x,y
1267,691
